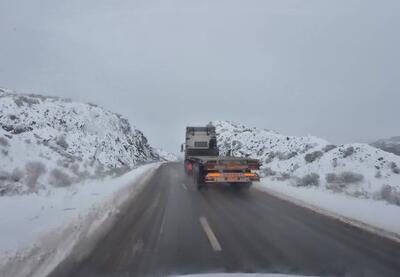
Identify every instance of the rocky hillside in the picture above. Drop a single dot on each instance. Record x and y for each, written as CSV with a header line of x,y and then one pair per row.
x,y
355,169
391,145
48,141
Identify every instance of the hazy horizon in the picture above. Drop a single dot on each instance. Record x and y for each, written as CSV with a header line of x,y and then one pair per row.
x,y
324,68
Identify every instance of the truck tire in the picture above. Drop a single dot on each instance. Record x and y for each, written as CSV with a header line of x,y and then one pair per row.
x,y
188,167
198,178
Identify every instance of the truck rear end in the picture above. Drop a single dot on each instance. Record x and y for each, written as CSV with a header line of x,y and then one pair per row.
x,y
239,170
203,162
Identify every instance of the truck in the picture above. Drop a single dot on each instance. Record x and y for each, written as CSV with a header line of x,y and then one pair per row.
x,y
203,162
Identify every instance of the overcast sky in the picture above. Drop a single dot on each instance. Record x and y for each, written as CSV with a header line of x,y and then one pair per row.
x,y
327,68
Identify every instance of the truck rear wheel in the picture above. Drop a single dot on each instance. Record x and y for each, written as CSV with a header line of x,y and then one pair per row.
x,y
198,178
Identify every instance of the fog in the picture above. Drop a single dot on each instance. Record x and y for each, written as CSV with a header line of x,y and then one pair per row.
x,y
327,68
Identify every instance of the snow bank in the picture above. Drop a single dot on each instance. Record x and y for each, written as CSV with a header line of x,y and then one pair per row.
x,y
357,211
46,228
54,142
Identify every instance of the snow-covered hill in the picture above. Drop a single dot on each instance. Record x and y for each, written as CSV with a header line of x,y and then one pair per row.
x,y
357,169
48,141
391,145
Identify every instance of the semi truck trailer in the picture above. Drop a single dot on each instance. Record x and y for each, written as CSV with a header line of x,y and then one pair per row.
x,y
203,162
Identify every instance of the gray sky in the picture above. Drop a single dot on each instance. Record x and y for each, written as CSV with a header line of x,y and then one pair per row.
x,y
327,68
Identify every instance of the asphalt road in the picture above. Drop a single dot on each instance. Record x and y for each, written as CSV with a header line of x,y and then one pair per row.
x,y
171,228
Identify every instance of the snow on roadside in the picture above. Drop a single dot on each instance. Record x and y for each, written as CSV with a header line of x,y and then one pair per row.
x,y
378,214
46,228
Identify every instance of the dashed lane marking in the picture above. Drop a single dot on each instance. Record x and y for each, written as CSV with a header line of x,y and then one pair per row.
x,y
210,234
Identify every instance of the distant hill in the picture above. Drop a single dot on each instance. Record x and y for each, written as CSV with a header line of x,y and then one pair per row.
x,y
391,145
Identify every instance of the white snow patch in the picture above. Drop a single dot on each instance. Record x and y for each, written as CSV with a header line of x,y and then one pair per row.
x,y
39,231
374,213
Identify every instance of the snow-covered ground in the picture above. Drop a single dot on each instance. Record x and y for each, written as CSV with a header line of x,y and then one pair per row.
x,y
356,180
50,142
38,231
358,170
361,212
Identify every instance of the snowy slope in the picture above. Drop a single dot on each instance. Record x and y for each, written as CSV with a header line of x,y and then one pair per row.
x,y
357,170
48,141
391,145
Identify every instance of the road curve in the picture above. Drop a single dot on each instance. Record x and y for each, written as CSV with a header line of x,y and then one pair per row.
x,y
171,228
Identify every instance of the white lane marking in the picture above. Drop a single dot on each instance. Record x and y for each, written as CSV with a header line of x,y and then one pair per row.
x,y
210,234
162,225
156,201
184,186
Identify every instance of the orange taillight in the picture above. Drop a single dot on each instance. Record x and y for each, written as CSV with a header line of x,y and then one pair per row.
x,y
249,174
214,174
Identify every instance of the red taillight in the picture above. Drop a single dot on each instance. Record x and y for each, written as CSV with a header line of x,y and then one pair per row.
x,y
189,167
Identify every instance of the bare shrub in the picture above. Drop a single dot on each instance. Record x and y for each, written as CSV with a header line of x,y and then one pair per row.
x,y
4,142
33,171
349,177
378,174
20,100
270,157
344,178
281,156
348,151
16,175
12,117
292,155
395,168
390,195
4,175
311,157
329,147
59,178
18,129
283,176
311,179
331,177
268,172
61,141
